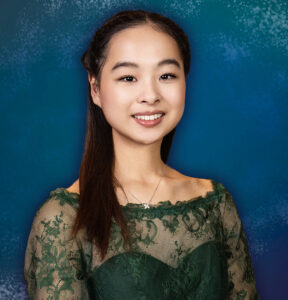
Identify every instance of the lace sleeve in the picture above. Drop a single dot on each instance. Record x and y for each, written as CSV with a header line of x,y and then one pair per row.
x,y
242,284
52,257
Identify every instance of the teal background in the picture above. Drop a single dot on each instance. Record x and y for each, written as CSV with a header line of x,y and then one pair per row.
x,y
233,130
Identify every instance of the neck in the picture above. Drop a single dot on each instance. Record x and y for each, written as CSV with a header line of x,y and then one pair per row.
x,y
138,163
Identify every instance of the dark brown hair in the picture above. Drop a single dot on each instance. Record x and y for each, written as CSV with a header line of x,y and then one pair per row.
x,y
98,202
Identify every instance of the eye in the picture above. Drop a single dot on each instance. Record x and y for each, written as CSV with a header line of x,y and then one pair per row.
x,y
168,74
129,77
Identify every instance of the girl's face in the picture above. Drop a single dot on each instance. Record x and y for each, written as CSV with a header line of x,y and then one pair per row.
x,y
143,72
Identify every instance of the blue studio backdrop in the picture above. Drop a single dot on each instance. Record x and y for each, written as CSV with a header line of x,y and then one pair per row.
x,y
233,129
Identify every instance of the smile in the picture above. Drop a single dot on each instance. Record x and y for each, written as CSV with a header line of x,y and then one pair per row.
x,y
151,117
149,121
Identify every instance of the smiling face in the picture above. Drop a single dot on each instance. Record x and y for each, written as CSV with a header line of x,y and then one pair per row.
x,y
143,72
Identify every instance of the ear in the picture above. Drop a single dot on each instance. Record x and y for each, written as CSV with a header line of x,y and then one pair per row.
x,y
94,90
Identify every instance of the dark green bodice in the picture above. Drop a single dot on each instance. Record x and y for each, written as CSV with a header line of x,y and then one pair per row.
x,y
194,249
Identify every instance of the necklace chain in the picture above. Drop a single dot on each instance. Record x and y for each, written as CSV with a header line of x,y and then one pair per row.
x,y
145,205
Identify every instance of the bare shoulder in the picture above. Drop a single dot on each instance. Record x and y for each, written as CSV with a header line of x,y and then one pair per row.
x,y
189,187
206,184
74,188
201,185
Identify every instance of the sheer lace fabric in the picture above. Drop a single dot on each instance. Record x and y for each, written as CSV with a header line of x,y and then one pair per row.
x,y
194,249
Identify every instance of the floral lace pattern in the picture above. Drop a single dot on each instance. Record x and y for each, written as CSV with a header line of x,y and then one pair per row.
x,y
194,249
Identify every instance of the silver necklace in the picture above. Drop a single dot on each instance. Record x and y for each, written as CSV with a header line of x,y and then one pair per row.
x,y
145,205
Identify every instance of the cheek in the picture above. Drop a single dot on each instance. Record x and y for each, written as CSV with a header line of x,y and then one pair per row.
x,y
114,97
114,107
177,98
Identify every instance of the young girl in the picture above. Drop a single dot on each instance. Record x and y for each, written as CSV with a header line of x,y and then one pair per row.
x,y
132,227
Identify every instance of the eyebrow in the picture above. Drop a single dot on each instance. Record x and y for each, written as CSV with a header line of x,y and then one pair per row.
x,y
169,61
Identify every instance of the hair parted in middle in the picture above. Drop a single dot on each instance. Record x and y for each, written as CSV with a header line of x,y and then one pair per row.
x,y
98,202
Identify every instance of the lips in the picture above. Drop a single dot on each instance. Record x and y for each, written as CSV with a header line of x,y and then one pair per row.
x,y
149,123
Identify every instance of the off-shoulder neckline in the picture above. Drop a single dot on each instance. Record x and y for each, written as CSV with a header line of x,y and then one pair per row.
x,y
161,204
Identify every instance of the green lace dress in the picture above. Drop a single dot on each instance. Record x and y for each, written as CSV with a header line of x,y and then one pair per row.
x,y
194,249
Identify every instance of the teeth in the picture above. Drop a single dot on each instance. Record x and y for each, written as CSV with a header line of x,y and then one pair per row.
x,y
152,117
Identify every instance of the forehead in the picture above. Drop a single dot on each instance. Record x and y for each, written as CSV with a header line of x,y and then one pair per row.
x,y
142,43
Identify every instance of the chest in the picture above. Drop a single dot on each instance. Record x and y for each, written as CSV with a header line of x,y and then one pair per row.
x,y
170,246
169,233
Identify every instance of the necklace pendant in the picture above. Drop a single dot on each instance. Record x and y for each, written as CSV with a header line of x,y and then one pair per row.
x,y
146,205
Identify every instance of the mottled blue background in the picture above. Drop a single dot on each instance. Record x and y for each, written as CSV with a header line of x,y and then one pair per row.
x,y
234,128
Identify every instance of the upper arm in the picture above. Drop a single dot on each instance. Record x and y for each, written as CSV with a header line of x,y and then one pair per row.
x,y
242,284
52,258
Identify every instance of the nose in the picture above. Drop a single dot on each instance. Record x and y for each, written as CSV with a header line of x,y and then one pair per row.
x,y
149,92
